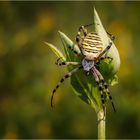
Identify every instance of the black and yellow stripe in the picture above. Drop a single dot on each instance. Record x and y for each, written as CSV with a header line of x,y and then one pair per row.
x,y
92,43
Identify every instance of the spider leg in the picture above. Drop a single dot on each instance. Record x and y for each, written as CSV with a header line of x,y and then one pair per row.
x,y
109,95
104,84
79,37
83,30
103,58
100,86
62,80
75,49
107,57
68,63
104,51
60,63
111,36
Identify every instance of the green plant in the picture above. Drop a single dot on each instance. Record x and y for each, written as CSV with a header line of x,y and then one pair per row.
x,y
85,86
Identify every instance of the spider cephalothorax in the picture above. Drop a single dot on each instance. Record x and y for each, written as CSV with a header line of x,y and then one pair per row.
x,y
91,48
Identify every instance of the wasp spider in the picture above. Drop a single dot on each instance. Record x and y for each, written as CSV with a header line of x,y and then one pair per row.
x,y
91,47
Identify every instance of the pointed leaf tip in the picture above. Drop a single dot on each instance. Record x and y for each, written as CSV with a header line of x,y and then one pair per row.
x,y
65,39
68,43
56,51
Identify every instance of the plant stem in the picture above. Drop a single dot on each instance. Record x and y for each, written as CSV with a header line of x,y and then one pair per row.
x,y
101,116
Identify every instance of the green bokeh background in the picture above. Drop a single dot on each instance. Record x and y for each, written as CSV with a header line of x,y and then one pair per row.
x,y
28,73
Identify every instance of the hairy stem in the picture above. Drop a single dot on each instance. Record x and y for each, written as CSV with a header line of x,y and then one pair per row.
x,y
101,124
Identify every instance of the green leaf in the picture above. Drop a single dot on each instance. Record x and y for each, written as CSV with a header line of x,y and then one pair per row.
x,y
56,51
113,80
67,43
113,66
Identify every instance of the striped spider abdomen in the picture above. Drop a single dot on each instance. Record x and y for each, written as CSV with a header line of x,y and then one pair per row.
x,y
91,46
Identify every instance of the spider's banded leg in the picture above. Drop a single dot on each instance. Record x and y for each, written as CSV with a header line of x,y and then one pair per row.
x,y
62,80
83,28
106,57
111,36
59,62
78,36
109,95
68,63
104,51
75,49
106,88
102,58
100,87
